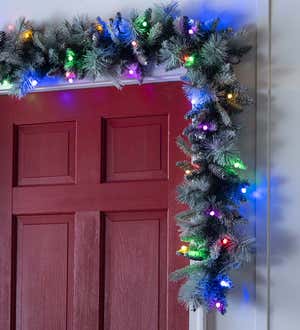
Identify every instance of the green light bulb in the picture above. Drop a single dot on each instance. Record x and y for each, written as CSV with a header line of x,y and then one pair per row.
x,y
70,59
189,60
145,24
238,164
197,254
5,84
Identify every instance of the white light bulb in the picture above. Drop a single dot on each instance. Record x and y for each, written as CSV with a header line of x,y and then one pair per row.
x,y
34,83
225,284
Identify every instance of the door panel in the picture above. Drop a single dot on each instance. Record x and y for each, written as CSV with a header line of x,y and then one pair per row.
x,y
44,272
135,270
146,145
87,205
46,153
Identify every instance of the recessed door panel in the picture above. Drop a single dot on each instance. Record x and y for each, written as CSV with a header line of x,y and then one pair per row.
x,y
44,272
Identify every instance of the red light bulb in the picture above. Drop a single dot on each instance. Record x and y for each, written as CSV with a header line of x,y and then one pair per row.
x,y
186,57
225,241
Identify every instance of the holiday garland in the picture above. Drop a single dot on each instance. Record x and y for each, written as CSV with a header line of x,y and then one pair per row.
x,y
214,187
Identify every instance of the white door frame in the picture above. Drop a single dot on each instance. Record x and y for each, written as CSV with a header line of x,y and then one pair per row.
x,y
263,129
198,320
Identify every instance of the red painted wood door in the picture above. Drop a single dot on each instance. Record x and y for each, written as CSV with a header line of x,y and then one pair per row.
x,y
87,204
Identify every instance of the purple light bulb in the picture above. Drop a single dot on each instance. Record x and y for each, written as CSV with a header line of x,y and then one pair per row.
x,y
212,213
204,126
132,71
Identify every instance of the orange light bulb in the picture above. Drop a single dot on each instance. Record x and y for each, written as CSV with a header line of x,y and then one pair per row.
x,y
27,35
99,27
184,249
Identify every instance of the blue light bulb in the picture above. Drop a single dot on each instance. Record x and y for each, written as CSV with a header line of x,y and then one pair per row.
x,y
225,284
244,190
33,83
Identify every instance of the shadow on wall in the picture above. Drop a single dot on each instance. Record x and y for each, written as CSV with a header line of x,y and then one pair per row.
x,y
283,243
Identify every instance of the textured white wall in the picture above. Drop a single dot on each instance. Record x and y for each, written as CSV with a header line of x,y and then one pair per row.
x,y
11,9
284,162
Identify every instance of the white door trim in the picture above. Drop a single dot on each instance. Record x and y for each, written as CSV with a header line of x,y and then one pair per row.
x,y
158,75
263,129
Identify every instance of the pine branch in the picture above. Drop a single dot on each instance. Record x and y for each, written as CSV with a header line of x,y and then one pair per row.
x,y
224,115
214,51
193,269
155,34
225,76
184,146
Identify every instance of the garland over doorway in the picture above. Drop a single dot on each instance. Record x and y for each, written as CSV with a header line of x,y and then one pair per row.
x,y
214,185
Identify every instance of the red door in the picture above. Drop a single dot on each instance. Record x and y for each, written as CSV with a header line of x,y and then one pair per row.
x,y
87,204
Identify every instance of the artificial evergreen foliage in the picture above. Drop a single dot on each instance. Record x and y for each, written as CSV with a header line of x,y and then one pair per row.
x,y
214,185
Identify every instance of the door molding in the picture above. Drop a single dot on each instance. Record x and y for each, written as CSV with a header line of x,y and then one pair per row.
x,y
158,75
263,131
198,320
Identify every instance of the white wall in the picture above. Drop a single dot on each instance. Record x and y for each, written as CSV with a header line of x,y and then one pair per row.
x,y
240,10
284,166
242,309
